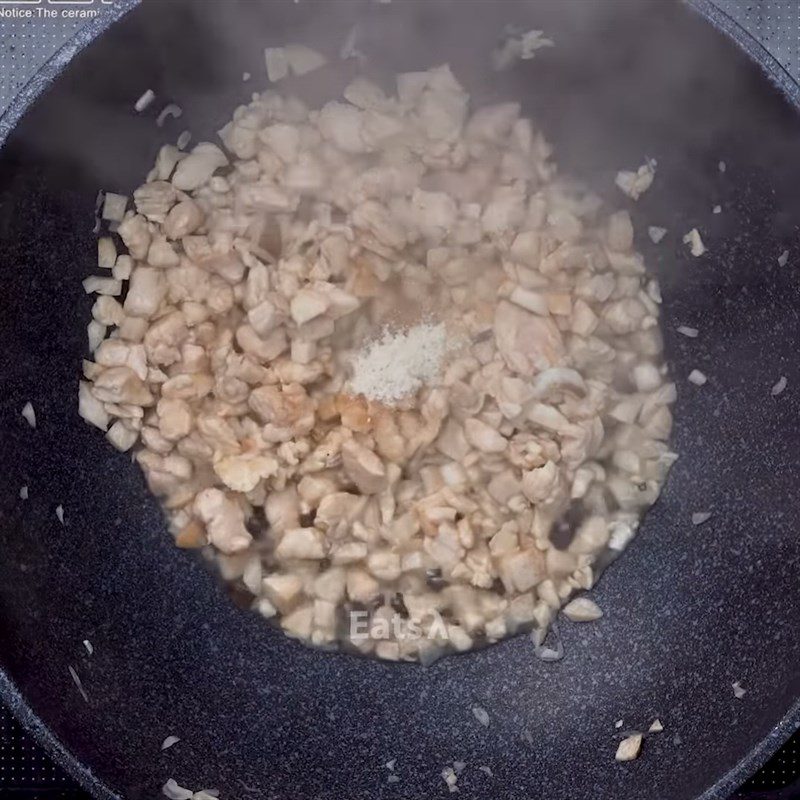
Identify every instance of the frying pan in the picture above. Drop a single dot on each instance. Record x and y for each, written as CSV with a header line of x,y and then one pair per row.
x,y
688,609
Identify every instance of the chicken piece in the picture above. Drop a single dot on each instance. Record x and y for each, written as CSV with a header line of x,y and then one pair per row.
x,y
282,509
527,342
243,473
146,290
175,418
121,385
484,437
282,589
136,236
286,407
183,219
308,304
154,200
363,467
224,521
539,484
301,543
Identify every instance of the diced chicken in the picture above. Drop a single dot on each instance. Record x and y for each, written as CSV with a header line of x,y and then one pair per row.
x,y
308,304
224,521
363,467
304,543
484,437
121,385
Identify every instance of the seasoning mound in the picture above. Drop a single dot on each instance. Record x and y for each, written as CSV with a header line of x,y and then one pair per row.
x,y
400,363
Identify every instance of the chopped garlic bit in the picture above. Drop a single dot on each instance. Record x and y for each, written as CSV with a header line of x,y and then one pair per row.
x,y
519,47
697,378
699,517
716,210
722,166
60,513
144,101
685,330
174,791
656,727
783,258
618,724
635,184
629,748
29,414
23,493
779,386
696,246
656,234
169,741
582,609
481,715
738,691
450,778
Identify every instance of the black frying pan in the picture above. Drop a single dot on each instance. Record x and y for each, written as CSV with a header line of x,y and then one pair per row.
x,y
689,610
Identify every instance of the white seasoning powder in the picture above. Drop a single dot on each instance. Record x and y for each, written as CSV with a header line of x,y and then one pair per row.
x,y
399,363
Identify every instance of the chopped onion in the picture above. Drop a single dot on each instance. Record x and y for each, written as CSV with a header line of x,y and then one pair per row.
x,y
699,517
481,715
29,414
738,691
302,59
685,330
88,645
779,386
183,140
60,513
114,207
172,110
783,258
77,681
697,378
695,242
169,741
144,101
23,493
173,791
547,653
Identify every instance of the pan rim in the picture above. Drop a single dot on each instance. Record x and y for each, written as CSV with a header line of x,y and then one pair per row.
x,y
11,696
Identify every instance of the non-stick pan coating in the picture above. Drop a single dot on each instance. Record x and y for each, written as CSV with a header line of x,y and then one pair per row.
x,y
688,610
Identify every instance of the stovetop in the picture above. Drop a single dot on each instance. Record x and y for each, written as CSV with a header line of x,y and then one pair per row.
x,y
25,44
